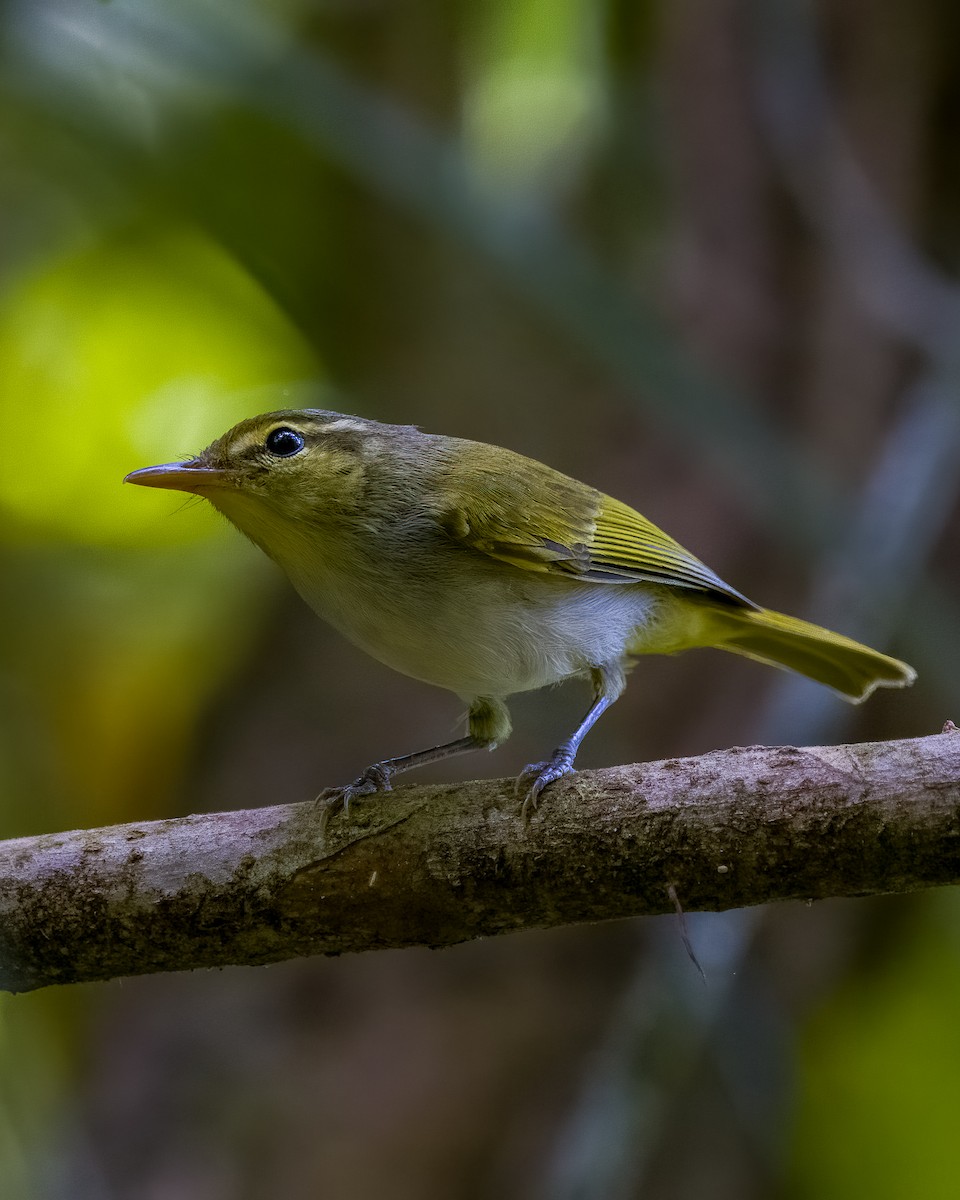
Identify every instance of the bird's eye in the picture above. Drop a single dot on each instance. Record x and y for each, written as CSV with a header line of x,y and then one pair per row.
x,y
284,442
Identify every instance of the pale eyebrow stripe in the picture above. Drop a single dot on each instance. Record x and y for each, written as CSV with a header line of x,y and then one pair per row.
x,y
343,423
247,442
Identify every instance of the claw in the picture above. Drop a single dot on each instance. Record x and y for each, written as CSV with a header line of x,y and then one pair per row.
x,y
376,778
536,776
528,777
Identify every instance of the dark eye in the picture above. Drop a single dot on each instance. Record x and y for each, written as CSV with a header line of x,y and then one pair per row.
x,y
284,442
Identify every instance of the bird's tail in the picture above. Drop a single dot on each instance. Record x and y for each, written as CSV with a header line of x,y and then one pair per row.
x,y
848,667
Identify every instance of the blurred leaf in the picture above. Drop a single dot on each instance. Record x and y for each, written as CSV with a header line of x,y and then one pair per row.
x,y
138,349
878,1074
536,95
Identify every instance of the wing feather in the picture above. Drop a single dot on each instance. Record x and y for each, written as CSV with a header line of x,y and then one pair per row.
x,y
524,513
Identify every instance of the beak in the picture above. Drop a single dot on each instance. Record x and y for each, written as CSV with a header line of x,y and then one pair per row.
x,y
181,477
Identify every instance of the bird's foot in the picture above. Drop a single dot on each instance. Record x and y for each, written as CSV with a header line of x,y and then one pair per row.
x,y
375,778
534,778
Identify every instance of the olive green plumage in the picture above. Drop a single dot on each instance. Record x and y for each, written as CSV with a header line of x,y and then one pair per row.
x,y
485,572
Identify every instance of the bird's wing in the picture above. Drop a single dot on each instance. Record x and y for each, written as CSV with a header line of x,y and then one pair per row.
x,y
538,519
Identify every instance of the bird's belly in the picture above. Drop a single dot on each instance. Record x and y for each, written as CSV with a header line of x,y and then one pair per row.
x,y
481,638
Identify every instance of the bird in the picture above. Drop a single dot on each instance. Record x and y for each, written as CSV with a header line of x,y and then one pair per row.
x,y
482,571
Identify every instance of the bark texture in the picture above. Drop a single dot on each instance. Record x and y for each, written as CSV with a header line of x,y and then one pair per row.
x,y
438,865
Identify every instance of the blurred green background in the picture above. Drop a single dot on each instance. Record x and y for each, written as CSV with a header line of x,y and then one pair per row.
x,y
700,254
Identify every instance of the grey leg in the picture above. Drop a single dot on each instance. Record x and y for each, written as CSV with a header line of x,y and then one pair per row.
x,y
489,725
608,685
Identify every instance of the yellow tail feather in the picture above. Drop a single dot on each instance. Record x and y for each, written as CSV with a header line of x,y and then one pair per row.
x,y
848,667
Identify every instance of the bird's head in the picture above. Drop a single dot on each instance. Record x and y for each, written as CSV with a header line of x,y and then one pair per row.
x,y
279,474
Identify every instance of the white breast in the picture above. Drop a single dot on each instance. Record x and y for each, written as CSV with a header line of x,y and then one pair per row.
x,y
490,632
446,615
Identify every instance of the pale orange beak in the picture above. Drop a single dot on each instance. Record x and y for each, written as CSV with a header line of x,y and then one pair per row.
x,y
181,477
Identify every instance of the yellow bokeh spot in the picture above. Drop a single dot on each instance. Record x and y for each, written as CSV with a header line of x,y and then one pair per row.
x,y
137,350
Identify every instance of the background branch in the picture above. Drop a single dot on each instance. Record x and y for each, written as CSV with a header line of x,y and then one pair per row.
x,y
439,865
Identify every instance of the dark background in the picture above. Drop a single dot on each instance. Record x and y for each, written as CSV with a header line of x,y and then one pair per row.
x,y
702,255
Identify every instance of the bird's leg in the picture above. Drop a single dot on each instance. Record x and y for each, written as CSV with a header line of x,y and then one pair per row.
x,y
488,723
608,684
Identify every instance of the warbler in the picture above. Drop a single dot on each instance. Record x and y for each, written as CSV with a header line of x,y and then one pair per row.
x,y
485,572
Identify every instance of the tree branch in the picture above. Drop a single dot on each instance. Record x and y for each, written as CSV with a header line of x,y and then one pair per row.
x,y
438,865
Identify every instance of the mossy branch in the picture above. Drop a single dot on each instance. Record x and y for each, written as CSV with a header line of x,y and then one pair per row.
x,y
437,865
